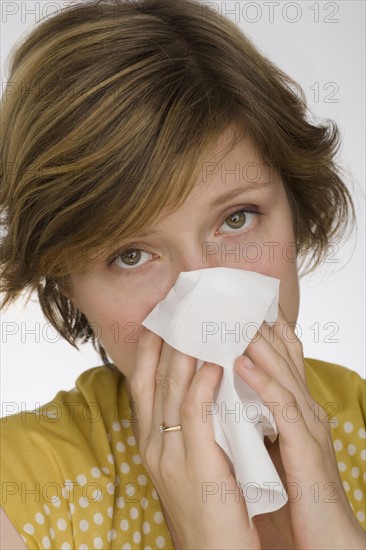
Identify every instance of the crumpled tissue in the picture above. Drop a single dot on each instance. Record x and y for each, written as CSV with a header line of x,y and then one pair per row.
x,y
212,314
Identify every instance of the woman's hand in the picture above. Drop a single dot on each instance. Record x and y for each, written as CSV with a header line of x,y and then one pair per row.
x,y
317,514
166,389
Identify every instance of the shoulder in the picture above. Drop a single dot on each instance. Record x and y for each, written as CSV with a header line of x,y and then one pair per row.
x,y
341,392
332,381
72,476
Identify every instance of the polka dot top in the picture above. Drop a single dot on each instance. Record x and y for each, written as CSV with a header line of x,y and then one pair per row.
x,y
72,476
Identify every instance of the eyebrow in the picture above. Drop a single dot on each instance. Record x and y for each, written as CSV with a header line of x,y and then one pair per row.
x,y
239,191
224,198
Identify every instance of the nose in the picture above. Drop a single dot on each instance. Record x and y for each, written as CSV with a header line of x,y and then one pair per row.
x,y
195,256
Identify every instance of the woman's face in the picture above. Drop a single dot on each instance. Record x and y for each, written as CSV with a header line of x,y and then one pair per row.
x,y
251,230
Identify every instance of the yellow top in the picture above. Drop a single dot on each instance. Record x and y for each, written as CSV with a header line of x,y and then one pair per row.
x,y
72,477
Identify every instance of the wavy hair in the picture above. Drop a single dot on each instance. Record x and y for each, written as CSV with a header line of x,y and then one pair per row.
x,y
108,113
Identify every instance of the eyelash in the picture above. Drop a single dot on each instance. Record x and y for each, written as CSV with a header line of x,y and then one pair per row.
x,y
135,246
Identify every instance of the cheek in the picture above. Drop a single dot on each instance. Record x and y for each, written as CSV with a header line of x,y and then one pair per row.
x,y
115,318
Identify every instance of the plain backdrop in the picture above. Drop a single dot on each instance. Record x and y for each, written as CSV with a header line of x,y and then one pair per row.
x,y
321,45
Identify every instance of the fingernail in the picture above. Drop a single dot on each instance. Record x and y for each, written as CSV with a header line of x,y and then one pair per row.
x,y
248,363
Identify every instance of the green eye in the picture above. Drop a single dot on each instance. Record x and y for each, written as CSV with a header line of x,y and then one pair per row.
x,y
240,219
236,220
131,256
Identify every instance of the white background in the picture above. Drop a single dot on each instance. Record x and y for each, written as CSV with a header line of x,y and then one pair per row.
x,y
321,45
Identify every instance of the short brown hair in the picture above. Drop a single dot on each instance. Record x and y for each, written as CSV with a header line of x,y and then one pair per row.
x,y
108,113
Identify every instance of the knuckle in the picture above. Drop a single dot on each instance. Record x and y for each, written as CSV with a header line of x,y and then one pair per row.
x,y
190,409
169,385
159,375
297,345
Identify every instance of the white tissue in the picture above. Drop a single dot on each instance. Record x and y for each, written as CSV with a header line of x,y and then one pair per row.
x,y
212,314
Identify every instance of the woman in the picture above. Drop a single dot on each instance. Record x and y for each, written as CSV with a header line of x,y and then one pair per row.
x,y
153,125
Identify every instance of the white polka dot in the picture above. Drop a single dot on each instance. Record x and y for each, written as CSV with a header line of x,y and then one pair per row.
x,y
142,479
146,527
97,495
116,427
72,507
120,502
84,503
363,454
56,501
46,542
134,512
124,525
355,472
144,503
98,542
40,518
125,422
105,470
81,479
147,548
131,440
84,525
110,459
348,427
360,516
65,546
110,512
160,542
126,546
154,494
358,494
52,533
61,524
136,459
28,528
136,537
98,519
95,472
111,535
110,488
362,433
158,517
64,492
346,486
351,449
338,445
125,468
46,509
120,447
342,466
83,547
130,490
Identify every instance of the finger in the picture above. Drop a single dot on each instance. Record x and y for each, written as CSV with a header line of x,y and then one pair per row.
x,y
159,383
265,356
285,330
295,438
196,410
142,382
274,335
178,378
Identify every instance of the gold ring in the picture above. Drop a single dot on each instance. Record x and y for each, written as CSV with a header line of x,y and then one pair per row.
x,y
164,428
